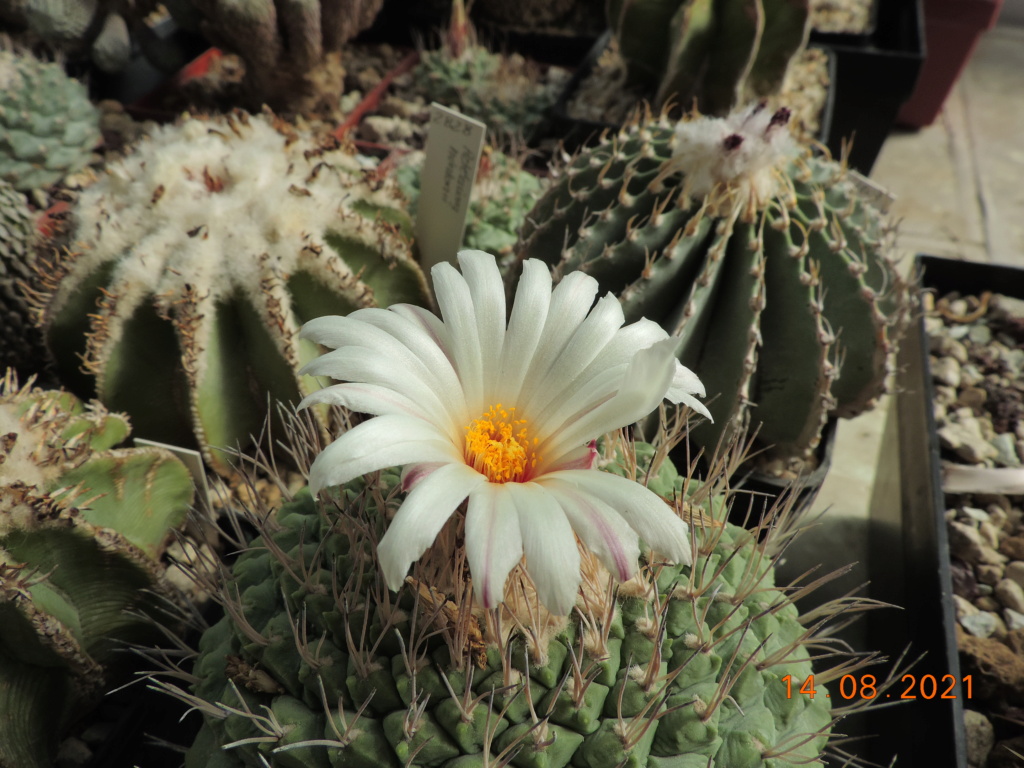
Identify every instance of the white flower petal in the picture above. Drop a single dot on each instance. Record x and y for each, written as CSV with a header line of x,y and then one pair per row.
x,y
644,385
592,335
605,532
430,324
685,385
494,544
360,365
647,514
525,328
552,557
488,291
412,474
456,303
384,441
365,398
421,340
421,517
570,302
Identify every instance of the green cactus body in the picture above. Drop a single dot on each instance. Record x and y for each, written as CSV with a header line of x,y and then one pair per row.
x,y
197,258
317,664
280,41
21,345
759,256
48,126
721,53
508,93
503,193
83,527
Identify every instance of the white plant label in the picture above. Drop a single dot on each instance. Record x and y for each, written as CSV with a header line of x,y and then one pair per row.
x,y
454,144
192,460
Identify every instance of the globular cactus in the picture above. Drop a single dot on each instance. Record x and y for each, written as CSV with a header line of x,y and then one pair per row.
x,y
83,527
508,93
193,262
721,53
48,126
281,41
317,664
503,192
21,345
759,256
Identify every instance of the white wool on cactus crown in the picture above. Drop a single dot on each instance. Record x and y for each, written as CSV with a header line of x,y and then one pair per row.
x,y
744,149
198,202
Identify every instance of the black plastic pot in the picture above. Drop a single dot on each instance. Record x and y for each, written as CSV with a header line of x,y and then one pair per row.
x,y
910,553
874,76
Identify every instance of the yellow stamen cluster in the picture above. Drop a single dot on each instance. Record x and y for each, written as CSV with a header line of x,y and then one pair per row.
x,y
497,446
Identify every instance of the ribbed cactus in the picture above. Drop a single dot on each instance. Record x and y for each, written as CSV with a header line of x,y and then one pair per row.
x,y
317,664
723,53
280,41
194,261
757,254
21,345
48,126
83,527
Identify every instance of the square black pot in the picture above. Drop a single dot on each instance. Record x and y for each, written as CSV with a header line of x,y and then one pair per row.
x,y
875,75
910,562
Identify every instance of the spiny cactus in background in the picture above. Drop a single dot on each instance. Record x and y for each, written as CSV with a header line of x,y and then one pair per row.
x,y
194,261
83,527
316,663
280,41
21,345
48,126
508,93
97,30
502,195
723,53
758,255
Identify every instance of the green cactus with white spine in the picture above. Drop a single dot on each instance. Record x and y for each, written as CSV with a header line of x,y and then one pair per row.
x,y
721,53
83,527
21,346
48,126
760,257
317,664
197,258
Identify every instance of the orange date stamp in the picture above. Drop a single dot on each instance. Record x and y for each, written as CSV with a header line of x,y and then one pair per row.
x,y
866,687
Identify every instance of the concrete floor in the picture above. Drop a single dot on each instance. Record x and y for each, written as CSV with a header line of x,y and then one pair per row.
x,y
960,193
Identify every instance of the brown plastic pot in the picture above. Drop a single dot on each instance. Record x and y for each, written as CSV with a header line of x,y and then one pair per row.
x,y
952,30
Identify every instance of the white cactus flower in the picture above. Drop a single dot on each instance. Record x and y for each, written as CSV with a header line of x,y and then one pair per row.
x,y
505,414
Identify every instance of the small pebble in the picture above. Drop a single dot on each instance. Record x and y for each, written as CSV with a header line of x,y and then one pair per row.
x,y
963,607
980,333
972,397
988,574
975,514
1006,450
1010,594
970,376
989,533
947,370
985,589
986,603
1015,572
980,736
1014,619
981,624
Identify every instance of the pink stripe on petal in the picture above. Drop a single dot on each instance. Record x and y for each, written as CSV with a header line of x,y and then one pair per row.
x,y
412,474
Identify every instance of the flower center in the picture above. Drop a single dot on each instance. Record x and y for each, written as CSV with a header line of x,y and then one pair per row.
x,y
498,446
